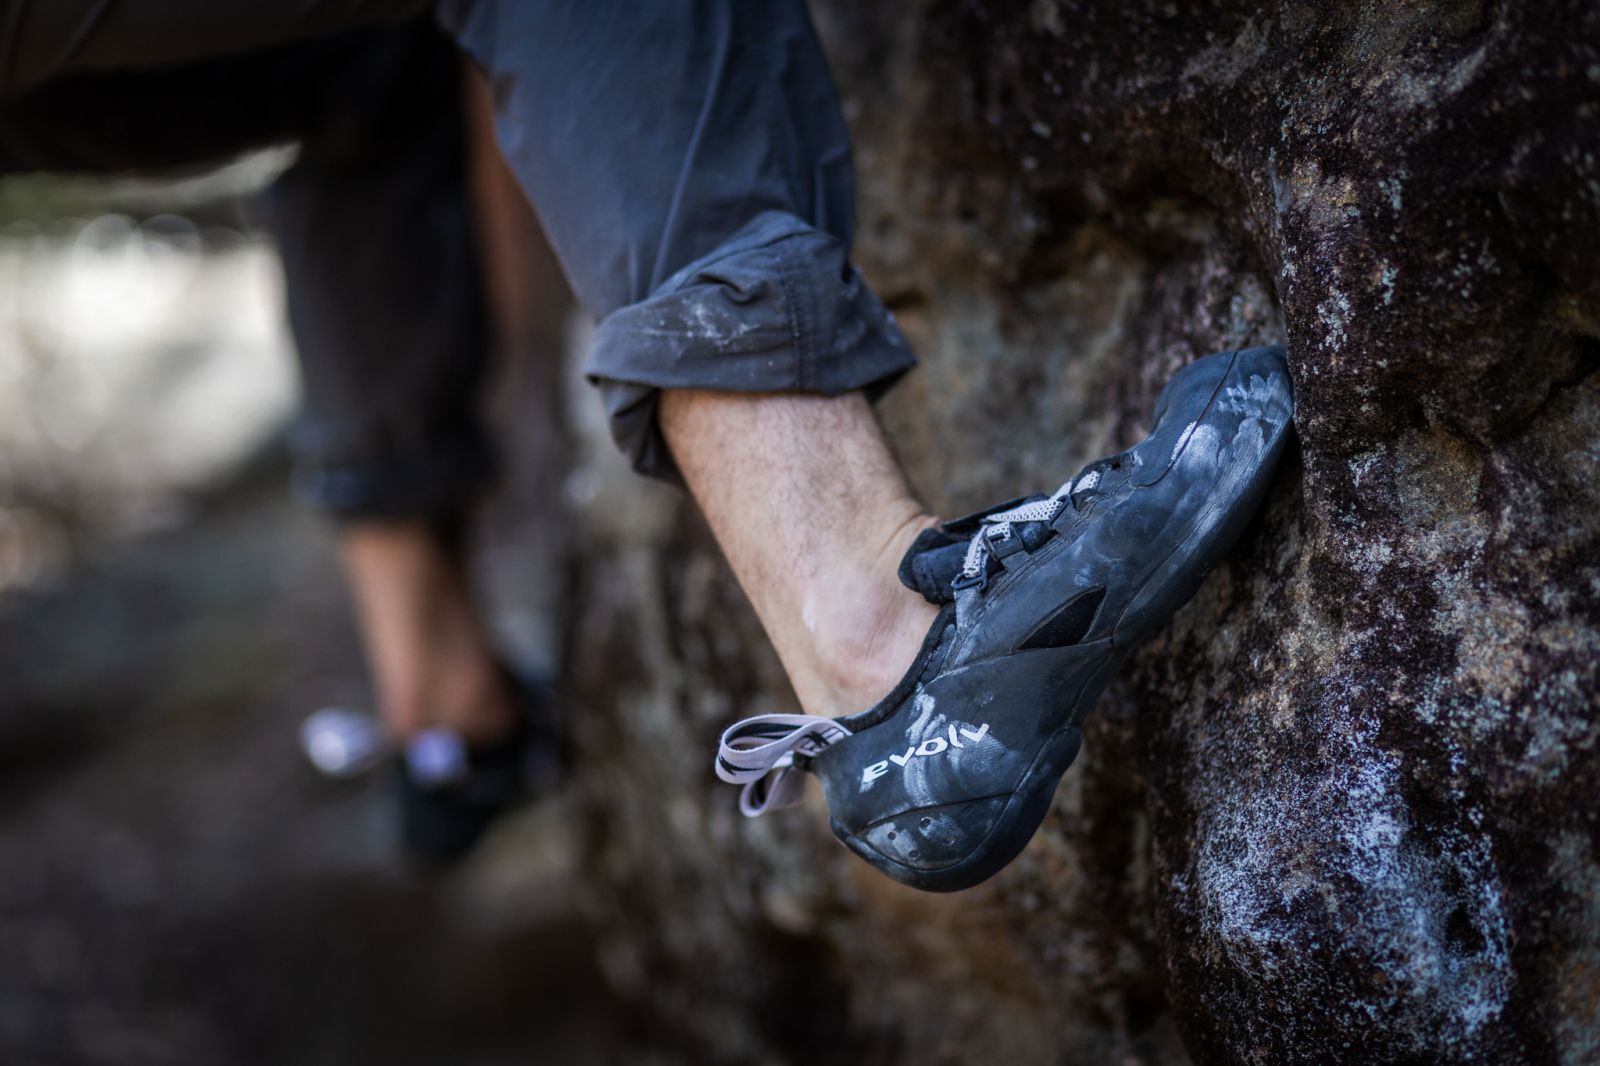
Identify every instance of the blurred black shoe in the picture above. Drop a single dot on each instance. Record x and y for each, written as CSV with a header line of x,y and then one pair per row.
x,y
449,792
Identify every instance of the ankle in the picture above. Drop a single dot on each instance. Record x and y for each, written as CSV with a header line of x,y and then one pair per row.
x,y
470,698
432,659
864,627
811,509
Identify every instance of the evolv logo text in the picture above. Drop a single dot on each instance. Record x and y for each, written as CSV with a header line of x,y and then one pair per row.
x,y
931,746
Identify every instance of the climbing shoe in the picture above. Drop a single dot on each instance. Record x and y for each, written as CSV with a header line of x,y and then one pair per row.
x,y
945,780
448,791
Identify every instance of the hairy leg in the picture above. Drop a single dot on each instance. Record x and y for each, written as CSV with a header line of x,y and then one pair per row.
x,y
430,655
812,511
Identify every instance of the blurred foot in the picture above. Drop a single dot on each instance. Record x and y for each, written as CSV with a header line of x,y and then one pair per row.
x,y
451,792
469,740
432,661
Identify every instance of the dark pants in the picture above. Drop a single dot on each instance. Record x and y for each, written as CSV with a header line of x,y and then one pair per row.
x,y
688,161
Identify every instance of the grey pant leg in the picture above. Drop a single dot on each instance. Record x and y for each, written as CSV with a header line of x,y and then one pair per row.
x,y
690,163
385,293
374,223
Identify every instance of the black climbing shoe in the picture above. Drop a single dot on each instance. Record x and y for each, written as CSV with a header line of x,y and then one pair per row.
x,y
945,780
450,793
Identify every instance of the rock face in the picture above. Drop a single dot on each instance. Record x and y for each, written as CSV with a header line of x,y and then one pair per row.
x,y
1343,809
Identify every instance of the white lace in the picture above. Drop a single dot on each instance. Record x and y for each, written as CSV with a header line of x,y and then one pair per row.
x,y
765,745
997,527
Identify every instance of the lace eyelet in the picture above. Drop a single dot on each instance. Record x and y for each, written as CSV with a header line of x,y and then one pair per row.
x,y
979,581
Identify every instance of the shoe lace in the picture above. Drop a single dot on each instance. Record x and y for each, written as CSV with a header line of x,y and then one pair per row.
x,y
997,528
759,753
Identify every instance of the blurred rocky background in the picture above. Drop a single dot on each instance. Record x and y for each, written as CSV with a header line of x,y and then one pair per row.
x,y
1342,811
176,886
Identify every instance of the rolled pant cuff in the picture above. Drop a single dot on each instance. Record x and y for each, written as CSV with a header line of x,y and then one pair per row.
x,y
777,308
432,484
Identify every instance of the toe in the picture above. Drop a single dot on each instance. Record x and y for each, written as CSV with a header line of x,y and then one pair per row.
x,y
925,840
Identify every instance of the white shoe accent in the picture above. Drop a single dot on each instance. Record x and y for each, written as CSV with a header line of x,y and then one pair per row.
x,y
342,743
436,758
